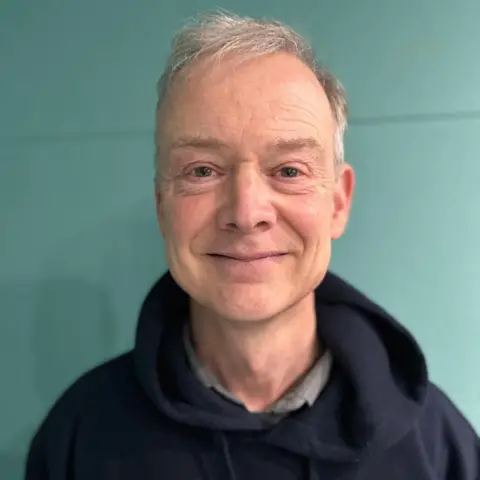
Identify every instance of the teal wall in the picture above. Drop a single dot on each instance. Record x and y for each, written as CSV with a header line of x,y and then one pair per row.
x,y
78,242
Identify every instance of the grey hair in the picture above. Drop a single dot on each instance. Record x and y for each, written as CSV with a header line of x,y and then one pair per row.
x,y
218,34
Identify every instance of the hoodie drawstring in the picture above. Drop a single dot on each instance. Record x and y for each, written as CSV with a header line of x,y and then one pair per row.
x,y
210,471
312,471
222,439
222,443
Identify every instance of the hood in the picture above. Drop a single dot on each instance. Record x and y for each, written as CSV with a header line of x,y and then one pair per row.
x,y
376,392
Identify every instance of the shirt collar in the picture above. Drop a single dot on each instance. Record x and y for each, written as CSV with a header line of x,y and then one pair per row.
x,y
304,393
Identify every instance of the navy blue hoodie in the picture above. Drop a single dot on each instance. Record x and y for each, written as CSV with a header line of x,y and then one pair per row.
x,y
146,416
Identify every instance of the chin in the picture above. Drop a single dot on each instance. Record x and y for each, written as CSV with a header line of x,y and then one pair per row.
x,y
248,303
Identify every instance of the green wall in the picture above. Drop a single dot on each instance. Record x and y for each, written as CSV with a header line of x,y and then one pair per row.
x,y
78,242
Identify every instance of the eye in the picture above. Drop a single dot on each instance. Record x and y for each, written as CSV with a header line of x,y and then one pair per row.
x,y
289,172
202,172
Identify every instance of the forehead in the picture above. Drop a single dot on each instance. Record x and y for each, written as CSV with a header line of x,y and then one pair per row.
x,y
248,103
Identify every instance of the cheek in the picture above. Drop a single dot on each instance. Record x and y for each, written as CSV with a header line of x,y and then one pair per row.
x,y
310,216
186,218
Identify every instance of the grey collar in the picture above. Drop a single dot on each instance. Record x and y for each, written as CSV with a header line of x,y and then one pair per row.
x,y
305,393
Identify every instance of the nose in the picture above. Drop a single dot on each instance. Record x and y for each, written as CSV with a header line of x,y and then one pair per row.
x,y
248,206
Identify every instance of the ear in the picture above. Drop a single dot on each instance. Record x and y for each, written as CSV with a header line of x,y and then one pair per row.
x,y
342,199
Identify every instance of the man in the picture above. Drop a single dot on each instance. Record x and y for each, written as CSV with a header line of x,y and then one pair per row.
x,y
251,360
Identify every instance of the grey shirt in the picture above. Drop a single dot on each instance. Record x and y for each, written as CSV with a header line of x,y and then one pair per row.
x,y
305,393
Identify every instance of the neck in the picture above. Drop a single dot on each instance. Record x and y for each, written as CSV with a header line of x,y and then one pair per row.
x,y
259,361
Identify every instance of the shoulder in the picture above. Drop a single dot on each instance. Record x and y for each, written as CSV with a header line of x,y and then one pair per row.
x,y
448,438
93,387
90,394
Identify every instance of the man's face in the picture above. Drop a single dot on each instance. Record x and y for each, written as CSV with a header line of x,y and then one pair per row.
x,y
250,198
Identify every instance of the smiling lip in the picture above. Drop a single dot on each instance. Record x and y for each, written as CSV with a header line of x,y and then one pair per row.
x,y
248,258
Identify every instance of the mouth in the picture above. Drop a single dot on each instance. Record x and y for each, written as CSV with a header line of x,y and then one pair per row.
x,y
248,258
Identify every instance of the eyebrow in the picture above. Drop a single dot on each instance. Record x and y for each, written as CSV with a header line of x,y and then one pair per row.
x,y
294,144
278,145
197,141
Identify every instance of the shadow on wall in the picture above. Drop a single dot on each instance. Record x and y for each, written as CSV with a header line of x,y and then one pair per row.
x,y
55,329
11,466
12,462
72,327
